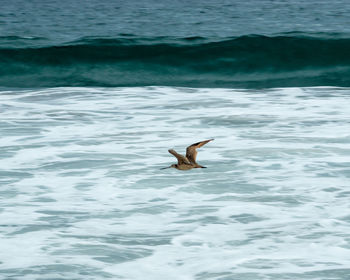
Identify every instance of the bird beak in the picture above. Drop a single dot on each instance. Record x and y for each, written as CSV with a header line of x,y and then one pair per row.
x,y
165,167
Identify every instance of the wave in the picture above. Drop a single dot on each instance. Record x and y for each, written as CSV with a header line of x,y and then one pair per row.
x,y
246,61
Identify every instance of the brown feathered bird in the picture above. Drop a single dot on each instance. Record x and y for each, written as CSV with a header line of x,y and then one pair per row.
x,y
189,161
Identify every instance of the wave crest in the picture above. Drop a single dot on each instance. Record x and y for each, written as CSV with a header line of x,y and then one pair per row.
x,y
247,61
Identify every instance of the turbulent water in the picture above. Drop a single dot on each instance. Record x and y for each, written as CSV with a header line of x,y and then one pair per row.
x,y
83,196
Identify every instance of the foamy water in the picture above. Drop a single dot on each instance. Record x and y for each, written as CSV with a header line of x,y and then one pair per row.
x,y
83,196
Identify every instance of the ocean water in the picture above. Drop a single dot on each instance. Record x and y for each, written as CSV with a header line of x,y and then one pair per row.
x,y
94,93
83,196
226,44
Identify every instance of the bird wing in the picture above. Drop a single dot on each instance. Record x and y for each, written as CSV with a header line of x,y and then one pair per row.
x,y
191,152
180,158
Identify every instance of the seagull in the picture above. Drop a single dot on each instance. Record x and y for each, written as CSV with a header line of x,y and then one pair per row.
x,y
189,161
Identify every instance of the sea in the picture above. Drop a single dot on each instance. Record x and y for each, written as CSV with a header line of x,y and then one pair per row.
x,y
94,93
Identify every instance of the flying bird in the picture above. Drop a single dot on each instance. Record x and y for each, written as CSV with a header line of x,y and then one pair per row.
x,y
189,161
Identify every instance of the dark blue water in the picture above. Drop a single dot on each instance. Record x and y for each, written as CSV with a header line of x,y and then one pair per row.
x,y
174,43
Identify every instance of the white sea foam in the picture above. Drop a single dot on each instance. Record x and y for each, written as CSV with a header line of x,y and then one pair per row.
x,y
82,196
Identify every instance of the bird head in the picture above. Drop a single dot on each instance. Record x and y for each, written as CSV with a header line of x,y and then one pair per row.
x,y
171,166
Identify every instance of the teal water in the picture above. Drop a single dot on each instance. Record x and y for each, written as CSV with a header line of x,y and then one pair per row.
x,y
56,22
227,44
289,60
82,196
